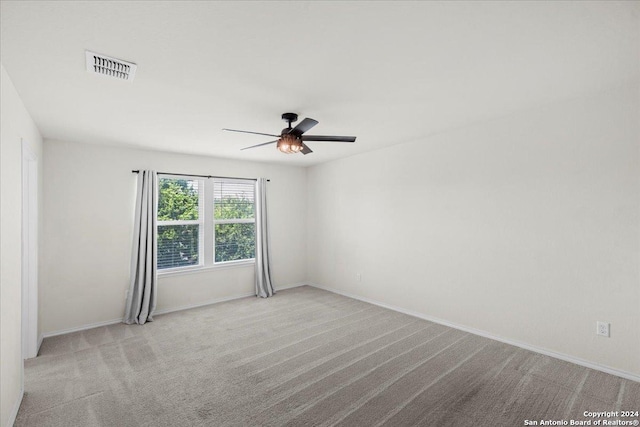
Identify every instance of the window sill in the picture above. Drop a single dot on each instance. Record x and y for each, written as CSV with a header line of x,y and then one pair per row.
x,y
202,269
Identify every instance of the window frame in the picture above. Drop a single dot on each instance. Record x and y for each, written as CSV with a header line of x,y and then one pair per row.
x,y
231,221
206,230
200,221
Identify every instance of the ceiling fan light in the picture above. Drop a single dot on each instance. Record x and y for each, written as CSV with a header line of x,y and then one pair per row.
x,y
289,144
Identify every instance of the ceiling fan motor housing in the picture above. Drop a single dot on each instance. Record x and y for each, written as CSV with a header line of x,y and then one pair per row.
x,y
290,118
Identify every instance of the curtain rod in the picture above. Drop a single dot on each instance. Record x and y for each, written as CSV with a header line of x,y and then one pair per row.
x,y
201,176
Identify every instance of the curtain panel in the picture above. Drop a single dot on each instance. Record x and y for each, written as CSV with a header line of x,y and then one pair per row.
x,y
264,287
142,296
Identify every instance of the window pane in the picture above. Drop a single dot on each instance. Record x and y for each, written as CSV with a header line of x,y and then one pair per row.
x,y
177,199
233,199
178,245
235,241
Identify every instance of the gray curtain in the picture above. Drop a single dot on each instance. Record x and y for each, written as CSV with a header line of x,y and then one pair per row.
x,y
141,300
264,288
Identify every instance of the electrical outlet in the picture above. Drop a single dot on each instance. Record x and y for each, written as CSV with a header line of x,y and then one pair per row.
x,y
126,294
359,277
602,328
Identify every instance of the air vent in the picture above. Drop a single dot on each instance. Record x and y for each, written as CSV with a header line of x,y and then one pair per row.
x,y
110,67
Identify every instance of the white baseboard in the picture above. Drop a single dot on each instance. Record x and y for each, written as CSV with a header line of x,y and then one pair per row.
x,y
81,328
16,408
295,285
158,312
218,300
203,303
561,356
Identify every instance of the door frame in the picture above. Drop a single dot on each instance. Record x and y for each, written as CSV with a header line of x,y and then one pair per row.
x,y
29,252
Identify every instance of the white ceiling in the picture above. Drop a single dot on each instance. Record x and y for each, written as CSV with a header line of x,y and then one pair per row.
x,y
386,72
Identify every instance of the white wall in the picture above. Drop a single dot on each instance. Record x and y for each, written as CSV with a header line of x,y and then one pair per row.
x,y
89,204
16,126
525,227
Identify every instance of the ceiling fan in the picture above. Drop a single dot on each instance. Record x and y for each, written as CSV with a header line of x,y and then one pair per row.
x,y
291,140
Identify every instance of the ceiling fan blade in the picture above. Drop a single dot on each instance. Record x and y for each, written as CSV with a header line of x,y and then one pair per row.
x,y
259,145
324,138
255,133
303,126
305,149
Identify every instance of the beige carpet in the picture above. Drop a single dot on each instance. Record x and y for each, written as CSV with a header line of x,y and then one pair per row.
x,y
303,357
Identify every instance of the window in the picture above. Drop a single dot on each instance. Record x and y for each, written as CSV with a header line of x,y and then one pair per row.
x,y
204,222
179,222
234,219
